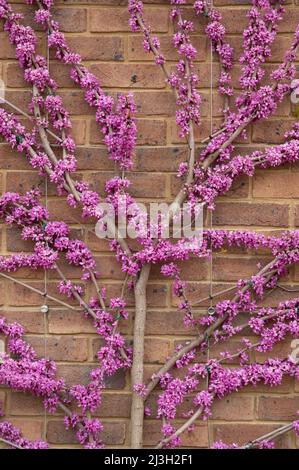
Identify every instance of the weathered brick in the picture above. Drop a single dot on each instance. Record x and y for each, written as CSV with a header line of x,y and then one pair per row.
x,y
172,322
271,132
2,400
143,186
21,296
234,407
156,350
80,374
71,20
115,405
154,159
233,269
23,181
280,350
33,322
114,433
25,404
136,51
99,31
98,47
150,132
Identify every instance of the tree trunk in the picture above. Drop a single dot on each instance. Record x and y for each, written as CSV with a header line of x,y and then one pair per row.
x,y
137,411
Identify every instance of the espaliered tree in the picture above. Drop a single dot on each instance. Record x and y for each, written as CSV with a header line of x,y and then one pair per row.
x,y
204,175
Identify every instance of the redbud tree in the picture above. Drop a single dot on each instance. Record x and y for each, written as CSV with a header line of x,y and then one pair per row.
x,y
191,378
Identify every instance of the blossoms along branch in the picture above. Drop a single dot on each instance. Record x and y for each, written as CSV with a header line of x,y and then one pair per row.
x,y
152,221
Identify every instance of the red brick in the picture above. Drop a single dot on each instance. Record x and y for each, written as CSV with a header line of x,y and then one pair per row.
x,y
285,387
98,47
2,400
172,322
117,19
7,51
154,103
94,158
156,350
198,438
14,242
279,295
98,343
142,184
118,59
281,350
114,433
243,433
71,20
235,20
109,268
233,269
269,215
278,408
115,406
70,215
129,75
11,160
23,181
234,407
137,53
31,428
21,296
25,405
33,322
196,269
280,184
68,322
2,292
150,132
80,374
74,102
60,348
58,434
164,159
156,294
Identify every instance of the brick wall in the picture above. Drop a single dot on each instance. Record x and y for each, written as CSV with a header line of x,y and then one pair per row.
x,y
98,30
